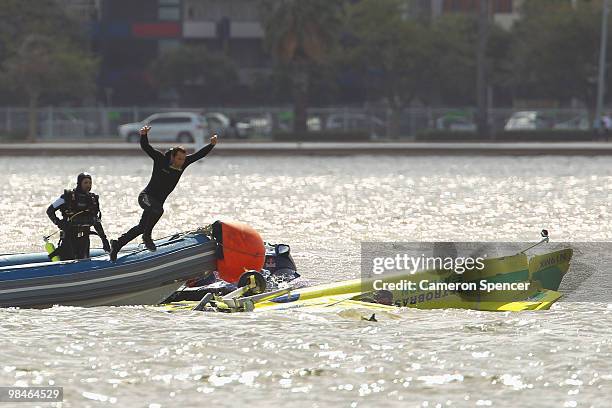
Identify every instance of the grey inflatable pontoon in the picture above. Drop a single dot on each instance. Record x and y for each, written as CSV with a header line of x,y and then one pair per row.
x,y
139,277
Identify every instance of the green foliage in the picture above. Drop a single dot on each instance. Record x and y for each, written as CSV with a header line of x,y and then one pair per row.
x,y
198,75
556,50
301,31
390,52
42,53
301,36
43,65
403,59
499,54
453,69
21,18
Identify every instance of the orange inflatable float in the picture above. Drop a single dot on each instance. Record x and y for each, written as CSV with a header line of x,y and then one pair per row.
x,y
239,249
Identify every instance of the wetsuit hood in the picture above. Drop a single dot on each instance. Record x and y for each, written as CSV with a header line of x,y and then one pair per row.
x,y
80,179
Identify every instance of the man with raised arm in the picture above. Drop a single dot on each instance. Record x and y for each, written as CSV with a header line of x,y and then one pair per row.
x,y
167,170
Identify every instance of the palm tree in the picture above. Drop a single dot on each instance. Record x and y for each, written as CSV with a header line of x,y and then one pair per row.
x,y
300,33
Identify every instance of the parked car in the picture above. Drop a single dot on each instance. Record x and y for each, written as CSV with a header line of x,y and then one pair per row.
x,y
356,121
455,123
182,127
261,124
222,125
313,123
577,123
528,120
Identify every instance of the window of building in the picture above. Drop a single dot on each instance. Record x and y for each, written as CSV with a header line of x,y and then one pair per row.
x,y
169,13
169,10
214,10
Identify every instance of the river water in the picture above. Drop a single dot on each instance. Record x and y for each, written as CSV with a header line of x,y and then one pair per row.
x,y
323,207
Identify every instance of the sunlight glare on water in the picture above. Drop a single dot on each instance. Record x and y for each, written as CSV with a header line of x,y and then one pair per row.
x,y
323,207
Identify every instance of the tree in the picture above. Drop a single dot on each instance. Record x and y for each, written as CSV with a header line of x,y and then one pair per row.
x,y
453,64
43,65
44,17
300,34
499,57
43,54
402,59
394,55
198,75
556,50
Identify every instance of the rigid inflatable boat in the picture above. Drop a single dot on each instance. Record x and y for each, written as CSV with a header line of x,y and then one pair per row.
x,y
139,277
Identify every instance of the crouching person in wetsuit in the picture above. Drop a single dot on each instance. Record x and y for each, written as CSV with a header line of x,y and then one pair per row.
x,y
80,210
167,170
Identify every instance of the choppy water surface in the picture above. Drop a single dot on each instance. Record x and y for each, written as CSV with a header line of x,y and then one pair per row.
x,y
323,208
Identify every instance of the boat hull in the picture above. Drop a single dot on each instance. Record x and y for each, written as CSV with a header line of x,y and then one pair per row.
x,y
543,273
138,277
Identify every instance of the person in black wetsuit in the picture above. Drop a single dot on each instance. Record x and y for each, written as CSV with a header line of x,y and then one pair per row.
x,y
167,170
80,210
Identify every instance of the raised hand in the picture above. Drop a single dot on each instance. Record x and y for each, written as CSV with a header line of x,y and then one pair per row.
x,y
144,130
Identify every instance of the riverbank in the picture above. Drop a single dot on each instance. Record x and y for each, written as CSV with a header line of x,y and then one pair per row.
x,y
321,148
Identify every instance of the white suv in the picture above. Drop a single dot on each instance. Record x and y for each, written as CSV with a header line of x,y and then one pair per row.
x,y
528,120
182,127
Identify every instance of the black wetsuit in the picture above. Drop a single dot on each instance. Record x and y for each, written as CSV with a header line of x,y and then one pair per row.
x,y
163,181
80,211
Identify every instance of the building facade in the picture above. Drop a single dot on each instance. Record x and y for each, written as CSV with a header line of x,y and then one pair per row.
x,y
130,35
